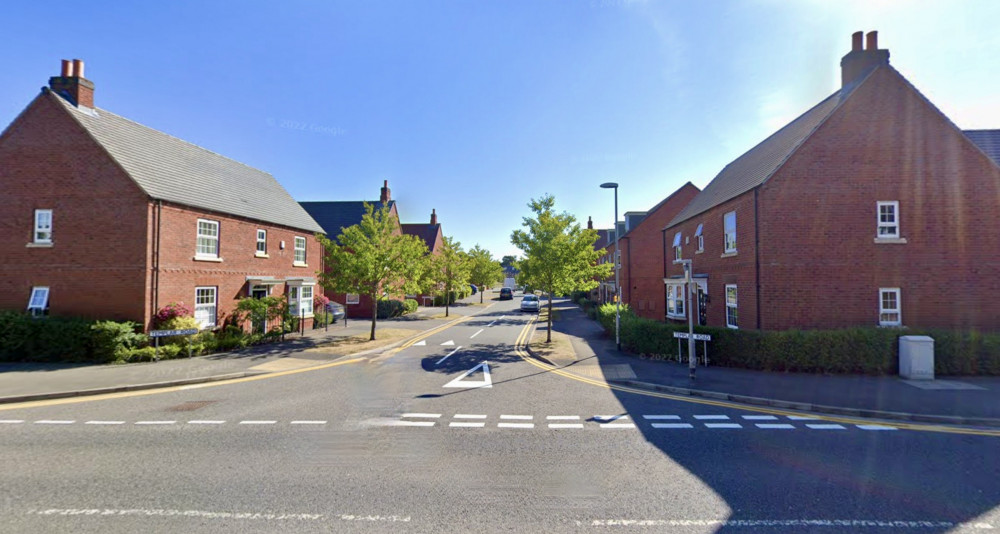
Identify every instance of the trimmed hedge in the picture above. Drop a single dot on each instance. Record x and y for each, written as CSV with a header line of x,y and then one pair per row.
x,y
65,339
871,351
388,308
410,306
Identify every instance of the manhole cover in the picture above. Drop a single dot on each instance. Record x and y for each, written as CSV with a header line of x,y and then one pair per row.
x,y
190,406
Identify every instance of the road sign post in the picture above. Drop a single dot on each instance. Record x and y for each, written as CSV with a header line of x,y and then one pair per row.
x,y
157,334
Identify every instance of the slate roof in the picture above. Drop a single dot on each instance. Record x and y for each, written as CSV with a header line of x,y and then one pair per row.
x,y
426,231
603,238
758,164
333,216
170,169
987,140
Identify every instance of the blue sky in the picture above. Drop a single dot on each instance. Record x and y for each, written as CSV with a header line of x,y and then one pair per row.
x,y
474,107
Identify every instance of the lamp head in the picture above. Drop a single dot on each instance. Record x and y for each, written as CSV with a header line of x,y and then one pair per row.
x,y
609,185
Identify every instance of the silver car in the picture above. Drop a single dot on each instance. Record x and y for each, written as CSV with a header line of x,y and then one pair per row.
x,y
530,303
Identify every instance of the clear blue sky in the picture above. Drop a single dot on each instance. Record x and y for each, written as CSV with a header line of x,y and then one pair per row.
x,y
474,107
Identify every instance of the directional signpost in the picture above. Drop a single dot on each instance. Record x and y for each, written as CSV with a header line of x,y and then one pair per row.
x,y
704,338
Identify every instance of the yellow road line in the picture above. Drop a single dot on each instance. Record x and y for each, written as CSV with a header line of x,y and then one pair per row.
x,y
520,348
168,389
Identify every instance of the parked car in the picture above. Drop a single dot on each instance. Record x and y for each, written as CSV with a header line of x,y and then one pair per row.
x,y
530,303
506,293
336,311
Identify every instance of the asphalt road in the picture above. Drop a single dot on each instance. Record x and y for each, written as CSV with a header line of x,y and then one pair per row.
x,y
412,441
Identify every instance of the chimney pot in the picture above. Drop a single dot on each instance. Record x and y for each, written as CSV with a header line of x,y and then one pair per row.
x,y
590,223
434,217
78,68
72,86
386,195
856,39
67,68
872,41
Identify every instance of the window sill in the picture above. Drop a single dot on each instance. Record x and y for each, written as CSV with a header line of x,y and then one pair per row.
x,y
39,245
728,254
261,255
299,264
731,327
677,317
699,252
890,240
212,259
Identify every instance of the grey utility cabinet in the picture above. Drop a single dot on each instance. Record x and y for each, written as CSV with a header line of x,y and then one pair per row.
x,y
916,357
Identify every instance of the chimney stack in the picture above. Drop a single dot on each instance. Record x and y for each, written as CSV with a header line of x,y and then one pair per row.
x,y
859,62
385,197
71,84
434,217
590,223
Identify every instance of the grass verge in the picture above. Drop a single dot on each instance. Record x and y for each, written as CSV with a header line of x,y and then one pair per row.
x,y
352,344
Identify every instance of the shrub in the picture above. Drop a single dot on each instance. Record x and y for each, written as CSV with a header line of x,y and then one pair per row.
x,y
410,306
387,308
112,341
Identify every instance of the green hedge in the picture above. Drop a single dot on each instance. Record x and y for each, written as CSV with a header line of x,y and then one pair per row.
x,y
870,351
65,339
410,306
388,308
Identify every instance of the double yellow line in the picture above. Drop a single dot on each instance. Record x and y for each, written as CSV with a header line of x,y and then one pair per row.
x,y
521,349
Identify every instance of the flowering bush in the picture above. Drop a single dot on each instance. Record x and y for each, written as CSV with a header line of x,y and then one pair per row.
x,y
320,302
172,310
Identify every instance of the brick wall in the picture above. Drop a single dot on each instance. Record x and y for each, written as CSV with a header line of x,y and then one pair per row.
x,y
642,248
820,266
96,266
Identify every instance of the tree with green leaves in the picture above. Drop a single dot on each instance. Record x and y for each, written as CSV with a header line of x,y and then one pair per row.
x,y
373,257
508,262
449,269
559,256
484,270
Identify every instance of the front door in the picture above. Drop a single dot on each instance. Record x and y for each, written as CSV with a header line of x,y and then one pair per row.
x,y
259,292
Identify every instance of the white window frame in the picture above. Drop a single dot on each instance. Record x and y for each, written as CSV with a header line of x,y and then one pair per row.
x,y
302,249
892,228
677,253
352,298
209,308
701,238
884,311
43,230
733,305
38,302
730,232
200,250
675,301
261,248
297,301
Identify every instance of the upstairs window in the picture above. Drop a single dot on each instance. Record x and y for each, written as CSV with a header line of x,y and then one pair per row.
x,y
700,237
43,227
300,250
888,219
261,242
208,239
677,246
889,309
732,315
729,222
38,304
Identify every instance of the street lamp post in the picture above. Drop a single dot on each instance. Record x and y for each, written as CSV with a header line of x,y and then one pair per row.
x,y
617,256
689,295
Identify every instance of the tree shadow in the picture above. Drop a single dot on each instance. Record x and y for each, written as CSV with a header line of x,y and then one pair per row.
x,y
794,480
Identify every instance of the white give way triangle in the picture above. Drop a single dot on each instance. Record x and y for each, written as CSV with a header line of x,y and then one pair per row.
x,y
461,381
449,343
420,344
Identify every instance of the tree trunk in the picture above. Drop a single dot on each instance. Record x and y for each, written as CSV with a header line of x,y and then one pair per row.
x,y
481,291
447,298
374,315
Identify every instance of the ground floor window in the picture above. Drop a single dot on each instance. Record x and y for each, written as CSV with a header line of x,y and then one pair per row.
x,y
675,301
300,300
38,304
732,316
889,308
205,306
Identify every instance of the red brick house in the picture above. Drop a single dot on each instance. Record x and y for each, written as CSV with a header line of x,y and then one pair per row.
x,y
871,208
432,235
334,217
105,218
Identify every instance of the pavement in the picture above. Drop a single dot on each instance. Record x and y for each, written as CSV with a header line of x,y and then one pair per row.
x,y
22,382
951,400
947,400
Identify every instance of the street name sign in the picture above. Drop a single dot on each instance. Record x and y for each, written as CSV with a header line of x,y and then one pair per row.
x,y
697,337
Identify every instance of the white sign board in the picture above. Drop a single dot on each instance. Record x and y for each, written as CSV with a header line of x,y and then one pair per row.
x,y
697,337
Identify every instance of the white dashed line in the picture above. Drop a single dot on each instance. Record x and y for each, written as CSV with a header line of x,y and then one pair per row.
x,y
10,421
155,422
801,418
53,422
205,422
469,416
876,427
458,348
661,417
609,418
105,423
776,426
431,415
827,427
476,334
673,425
522,417
467,424
516,425
410,423
760,417
308,422
257,422
699,417
565,425
617,425
723,425
563,417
